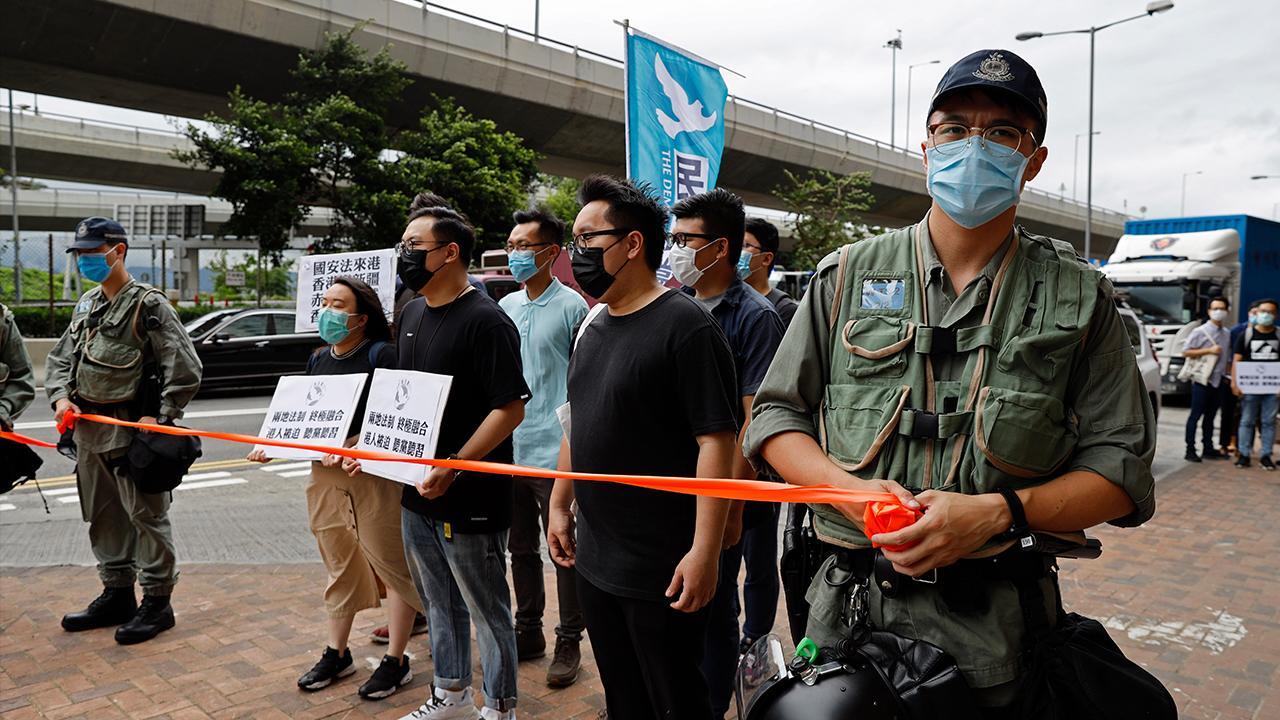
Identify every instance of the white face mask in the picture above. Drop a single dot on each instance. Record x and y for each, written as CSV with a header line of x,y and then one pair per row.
x,y
1218,315
684,263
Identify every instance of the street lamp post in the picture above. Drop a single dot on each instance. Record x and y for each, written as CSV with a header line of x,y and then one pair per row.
x,y
1182,209
1075,162
13,194
894,44
1157,6
906,126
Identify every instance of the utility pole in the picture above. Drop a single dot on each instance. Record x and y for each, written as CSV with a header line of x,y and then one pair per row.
x,y
13,194
895,44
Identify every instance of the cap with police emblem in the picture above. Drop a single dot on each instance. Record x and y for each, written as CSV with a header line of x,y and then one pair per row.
x,y
92,232
999,71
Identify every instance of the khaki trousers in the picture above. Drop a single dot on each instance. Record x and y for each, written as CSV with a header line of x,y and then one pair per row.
x,y
356,521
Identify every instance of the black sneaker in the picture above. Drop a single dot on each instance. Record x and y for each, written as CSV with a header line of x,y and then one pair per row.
x,y
154,616
530,644
1213,454
1266,463
389,677
1191,455
1242,462
332,666
564,667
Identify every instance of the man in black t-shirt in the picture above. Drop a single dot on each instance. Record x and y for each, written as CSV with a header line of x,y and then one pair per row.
x,y
455,524
652,391
1257,344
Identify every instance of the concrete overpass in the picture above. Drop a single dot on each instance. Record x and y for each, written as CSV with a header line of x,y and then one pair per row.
x,y
183,58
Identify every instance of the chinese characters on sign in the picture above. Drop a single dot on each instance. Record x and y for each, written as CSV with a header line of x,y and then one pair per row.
x,y
1258,378
316,274
311,409
403,417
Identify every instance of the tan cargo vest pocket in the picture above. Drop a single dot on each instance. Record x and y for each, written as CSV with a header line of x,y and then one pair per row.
x,y
1021,433
875,345
857,420
109,369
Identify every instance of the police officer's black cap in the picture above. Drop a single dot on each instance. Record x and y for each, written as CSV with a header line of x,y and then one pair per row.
x,y
999,71
92,232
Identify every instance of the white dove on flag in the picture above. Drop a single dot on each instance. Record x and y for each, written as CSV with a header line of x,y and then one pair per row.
x,y
689,117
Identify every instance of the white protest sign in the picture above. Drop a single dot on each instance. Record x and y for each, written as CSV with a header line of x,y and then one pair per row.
x,y
311,409
403,416
316,274
1258,378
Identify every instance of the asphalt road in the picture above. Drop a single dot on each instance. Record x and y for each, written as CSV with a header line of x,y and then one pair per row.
x,y
231,510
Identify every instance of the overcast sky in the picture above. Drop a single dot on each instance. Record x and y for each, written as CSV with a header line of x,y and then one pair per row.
x,y
1196,88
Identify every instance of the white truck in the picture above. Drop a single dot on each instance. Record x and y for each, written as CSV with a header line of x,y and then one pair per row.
x,y
1168,270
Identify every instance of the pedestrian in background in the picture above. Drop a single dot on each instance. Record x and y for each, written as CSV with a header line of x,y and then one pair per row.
x,y
1257,344
455,524
125,355
652,391
17,379
707,246
1230,403
759,253
356,519
1212,339
545,312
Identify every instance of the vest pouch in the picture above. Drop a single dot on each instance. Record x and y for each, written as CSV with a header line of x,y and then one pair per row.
x,y
109,370
857,420
1042,358
1022,434
875,345
4,372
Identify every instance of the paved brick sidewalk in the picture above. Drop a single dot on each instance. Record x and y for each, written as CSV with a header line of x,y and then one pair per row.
x,y
1193,596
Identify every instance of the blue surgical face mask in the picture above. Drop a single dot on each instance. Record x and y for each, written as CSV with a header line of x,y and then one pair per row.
x,y
1264,319
333,325
744,264
523,264
93,267
973,185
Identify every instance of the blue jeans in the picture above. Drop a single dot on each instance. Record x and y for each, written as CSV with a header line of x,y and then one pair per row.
x,y
1251,406
461,576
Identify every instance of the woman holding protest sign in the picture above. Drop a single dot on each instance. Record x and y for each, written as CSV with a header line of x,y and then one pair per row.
x,y
356,520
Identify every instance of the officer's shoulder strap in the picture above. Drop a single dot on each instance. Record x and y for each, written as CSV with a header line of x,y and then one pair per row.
x,y
145,293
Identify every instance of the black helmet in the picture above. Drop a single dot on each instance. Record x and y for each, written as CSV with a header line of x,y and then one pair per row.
x,y
157,461
826,686
18,464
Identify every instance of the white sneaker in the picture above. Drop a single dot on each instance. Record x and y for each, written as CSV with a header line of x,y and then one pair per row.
x,y
488,713
447,705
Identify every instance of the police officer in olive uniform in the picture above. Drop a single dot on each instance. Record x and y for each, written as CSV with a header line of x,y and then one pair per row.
x,y
17,381
125,355
973,369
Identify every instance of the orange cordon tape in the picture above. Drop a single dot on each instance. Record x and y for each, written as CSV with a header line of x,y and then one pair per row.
x,y
728,489
26,440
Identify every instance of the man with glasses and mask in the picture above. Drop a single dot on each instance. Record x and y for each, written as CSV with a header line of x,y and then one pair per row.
x,y
998,387
546,313
707,242
455,523
652,391
125,355
759,251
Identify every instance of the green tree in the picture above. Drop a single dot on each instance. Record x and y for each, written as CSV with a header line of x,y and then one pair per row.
x,y
275,277
826,209
561,197
327,143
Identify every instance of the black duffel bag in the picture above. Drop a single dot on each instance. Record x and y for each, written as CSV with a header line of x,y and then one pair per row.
x,y
156,461
18,464
1075,670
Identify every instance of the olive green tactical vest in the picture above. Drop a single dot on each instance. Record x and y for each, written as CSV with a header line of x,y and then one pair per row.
x,y
1005,423
110,356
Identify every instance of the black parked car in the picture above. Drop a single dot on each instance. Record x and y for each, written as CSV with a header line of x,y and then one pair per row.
x,y
250,348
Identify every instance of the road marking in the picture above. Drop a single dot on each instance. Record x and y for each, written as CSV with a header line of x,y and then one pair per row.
x,y
69,500
296,473
60,491
205,476
287,466
212,483
211,465
7,506
41,424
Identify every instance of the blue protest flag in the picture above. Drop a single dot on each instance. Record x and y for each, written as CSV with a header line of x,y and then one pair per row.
x,y
675,118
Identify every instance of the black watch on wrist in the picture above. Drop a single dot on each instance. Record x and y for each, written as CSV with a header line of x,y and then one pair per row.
x,y
1019,531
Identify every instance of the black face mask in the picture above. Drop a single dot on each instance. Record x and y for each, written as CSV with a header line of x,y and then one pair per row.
x,y
411,266
589,272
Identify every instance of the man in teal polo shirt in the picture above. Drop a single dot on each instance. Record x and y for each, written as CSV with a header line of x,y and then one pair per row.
x,y
546,313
